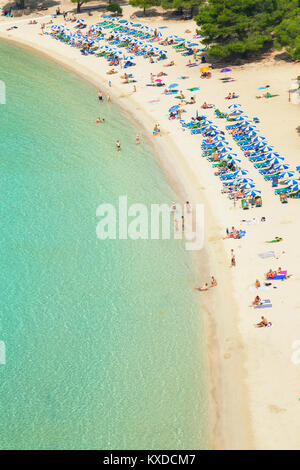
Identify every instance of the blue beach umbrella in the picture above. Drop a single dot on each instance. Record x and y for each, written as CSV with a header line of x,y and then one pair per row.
x,y
234,106
242,173
206,121
225,70
218,138
265,148
252,133
295,187
292,182
226,150
260,145
173,85
249,128
229,156
247,185
276,161
235,161
273,155
237,111
286,174
222,143
281,167
258,138
253,192
213,132
244,180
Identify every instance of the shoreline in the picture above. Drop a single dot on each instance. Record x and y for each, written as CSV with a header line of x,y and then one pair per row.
x,y
231,413
216,426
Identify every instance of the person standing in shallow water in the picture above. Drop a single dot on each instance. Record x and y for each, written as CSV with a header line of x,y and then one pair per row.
x,y
137,140
118,145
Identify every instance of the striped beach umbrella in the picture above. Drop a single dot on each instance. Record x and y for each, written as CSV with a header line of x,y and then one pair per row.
x,y
234,106
247,185
235,161
277,161
237,111
242,173
213,132
218,138
249,128
252,133
295,187
253,193
291,182
281,167
266,148
258,138
286,174
244,180
226,149
222,143
273,155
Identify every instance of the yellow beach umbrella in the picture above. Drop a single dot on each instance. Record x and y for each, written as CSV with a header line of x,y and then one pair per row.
x,y
205,69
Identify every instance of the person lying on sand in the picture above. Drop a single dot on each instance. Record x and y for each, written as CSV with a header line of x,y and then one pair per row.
x,y
111,72
170,64
207,106
264,95
32,22
203,288
263,323
256,301
270,274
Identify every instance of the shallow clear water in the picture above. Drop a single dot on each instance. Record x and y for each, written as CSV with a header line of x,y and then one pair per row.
x,y
103,338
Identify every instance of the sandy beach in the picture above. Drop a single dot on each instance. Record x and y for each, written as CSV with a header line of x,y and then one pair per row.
x,y
254,378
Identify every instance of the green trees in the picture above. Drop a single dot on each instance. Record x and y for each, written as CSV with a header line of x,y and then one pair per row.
x,y
238,27
287,33
145,3
114,7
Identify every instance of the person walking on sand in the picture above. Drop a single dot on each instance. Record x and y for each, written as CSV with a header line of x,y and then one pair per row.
x,y
233,262
213,282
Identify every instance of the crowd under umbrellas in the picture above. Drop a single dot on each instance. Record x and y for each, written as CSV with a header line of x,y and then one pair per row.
x,y
125,40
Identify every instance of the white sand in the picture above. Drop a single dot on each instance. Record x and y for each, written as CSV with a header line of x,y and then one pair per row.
x,y
255,383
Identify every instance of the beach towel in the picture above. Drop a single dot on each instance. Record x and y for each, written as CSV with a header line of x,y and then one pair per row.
x,y
255,289
264,304
282,275
267,254
194,89
276,240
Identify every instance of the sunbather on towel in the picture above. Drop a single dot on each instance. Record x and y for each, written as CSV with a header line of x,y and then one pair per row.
x,y
170,64
256,301
263,323
203,288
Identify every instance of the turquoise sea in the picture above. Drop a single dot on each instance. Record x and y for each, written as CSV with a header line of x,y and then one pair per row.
x,y
104,339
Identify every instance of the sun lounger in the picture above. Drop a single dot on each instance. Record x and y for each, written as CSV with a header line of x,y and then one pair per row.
x,y
267,254
264,304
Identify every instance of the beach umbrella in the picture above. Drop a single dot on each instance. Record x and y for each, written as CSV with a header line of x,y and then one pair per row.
x,y
205,69
206,121
222,143
286,174
173,85
225,149
253,192
258,138
242,173
230,155
235,161
277,161
273,155
295,187
260,145
225,70
265,148
211,126
218,138
173,108
244,180
252,133
247,185
291,182
237,111
281,167
213,132
234,106
249,128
